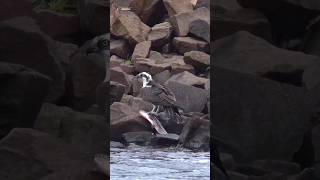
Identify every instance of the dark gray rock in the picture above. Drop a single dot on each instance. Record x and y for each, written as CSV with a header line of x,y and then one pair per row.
x,y
22,93
139,138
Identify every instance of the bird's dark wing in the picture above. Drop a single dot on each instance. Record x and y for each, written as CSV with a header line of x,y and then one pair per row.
x,y
164,93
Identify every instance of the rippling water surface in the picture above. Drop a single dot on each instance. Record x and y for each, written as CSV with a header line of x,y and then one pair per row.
x,y
140,163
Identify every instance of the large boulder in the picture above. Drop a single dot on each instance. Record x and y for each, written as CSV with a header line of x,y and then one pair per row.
x,y
22,92
38,51
128,25
191,99
160,34
59,26
141,50
176,7
198,59
120,48
93,15
85,131
149,11
188,79
31,154
246,53
186,44
258,118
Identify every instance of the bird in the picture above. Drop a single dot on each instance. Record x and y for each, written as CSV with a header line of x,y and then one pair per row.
x,y
98,45
162,98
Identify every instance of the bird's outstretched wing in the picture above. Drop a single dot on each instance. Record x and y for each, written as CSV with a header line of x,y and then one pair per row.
x,y
154,122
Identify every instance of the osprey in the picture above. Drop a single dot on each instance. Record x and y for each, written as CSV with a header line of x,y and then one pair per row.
x,y
160,96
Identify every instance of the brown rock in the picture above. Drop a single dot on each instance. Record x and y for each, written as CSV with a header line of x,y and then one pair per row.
x,y
146,9
119,48
118,75
176,7
141,50
178,68
181,22
201,29
197,59
128,26
188,79
148,65
186,44
115,61
160,34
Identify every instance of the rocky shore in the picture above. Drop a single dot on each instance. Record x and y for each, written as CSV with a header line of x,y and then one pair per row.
x,y
171,41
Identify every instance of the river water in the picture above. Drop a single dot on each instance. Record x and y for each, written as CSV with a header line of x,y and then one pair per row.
x,y
145,163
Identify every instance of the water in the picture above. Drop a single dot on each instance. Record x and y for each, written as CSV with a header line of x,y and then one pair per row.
x,y
144,163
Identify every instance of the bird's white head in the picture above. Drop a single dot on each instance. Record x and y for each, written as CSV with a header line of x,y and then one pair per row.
x,y
145,78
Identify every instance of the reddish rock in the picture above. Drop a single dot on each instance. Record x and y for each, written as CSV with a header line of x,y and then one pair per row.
x,y
141,50
186,44
176,7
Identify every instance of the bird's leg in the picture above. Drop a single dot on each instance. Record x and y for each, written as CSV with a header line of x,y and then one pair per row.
x,y
157,109
153,109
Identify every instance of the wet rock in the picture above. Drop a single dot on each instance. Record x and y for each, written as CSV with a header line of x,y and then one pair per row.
x,y
165,140
39,51
280,65
85,131
196,134
250,20
201,29
128,26
181,22
93,15
23,90
139,137
191,99
118,75
176,7
189,79
160,34
114,144
279,106
59,26
141,50
198,59
17,8
120,48
28,153
186,44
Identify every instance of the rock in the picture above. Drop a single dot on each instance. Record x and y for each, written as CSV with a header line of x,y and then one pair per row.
x,y
217,173
67,50
250,20
127,68
160,34
115,61
141,50
203,3
186,44
131,123
38,51
279,106
87,71
31,154
148,65
120,48
146,9
93,15
181,22
23,90
114,144
227,161
280,65
59,26
196,134
128,26
189,79
284,167
177,68
201,29
165,140
198,59
137,103
102,161
85,131
118,75
119,110
191,99
17,8
177,7
139,137
315,140
162,77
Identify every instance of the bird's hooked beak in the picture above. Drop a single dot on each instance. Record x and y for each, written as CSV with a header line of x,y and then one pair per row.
x,y
144,82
